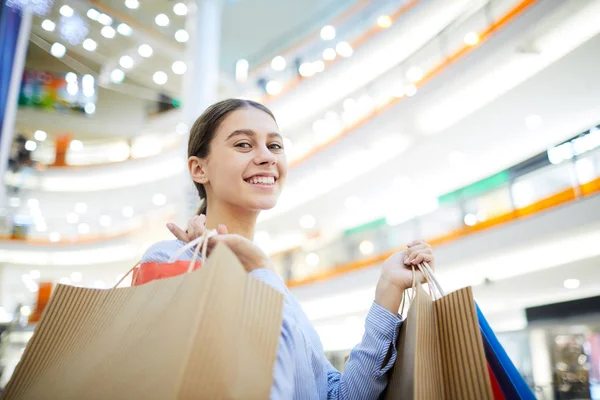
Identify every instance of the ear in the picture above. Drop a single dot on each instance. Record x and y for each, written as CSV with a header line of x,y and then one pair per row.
x,y
197,167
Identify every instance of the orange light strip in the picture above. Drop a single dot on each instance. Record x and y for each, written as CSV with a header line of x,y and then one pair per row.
x,y
367,35
502,22
560,198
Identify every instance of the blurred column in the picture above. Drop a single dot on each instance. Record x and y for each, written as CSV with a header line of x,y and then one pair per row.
x,y
541,360
14,39
201,81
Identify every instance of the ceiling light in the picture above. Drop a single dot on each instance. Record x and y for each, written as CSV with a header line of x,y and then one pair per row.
x,y
40,136
33,203
145,50
83,228
456,158
58,50
328,32
159,199
64,281
470,219
179,67
273,87
384,21
126,62
89,44
533,121
117,75
366,103
278,63
344,49
352,203
307,221
132,4
72,218
319,66
306,69
104,221
161,20
241,70
14,202
349,104
312,259
76,145
182,36
25,311
48,25
81,208
108,32
76,276
329,54
54,237
160,77
66,11
35,274
127,211
366,247
414,74
180,9
30,145
471,38
124,29
71,77
181,128
572,284
89,108
93,14
105,19
410,90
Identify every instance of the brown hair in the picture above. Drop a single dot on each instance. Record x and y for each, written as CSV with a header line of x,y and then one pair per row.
x,y
203,132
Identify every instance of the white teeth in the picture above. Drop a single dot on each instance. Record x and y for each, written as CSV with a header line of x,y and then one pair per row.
x,y
265,180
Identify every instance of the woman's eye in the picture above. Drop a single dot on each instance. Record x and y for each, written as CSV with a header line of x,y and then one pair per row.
x,y
243,145
275,146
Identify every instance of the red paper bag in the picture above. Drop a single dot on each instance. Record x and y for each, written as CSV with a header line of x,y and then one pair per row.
x,y
150,271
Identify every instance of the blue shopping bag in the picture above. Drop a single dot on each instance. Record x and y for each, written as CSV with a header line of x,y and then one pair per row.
x,y
510,380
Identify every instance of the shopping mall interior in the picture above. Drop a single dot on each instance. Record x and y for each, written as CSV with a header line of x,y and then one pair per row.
x,y
471,124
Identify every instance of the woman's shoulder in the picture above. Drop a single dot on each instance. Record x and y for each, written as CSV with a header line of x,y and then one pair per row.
x,y
162,251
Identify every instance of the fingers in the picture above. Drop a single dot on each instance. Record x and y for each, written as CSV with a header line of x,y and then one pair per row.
x,y
196,226
178,232
222,229
418,252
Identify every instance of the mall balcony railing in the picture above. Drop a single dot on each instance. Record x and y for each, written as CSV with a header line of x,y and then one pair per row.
x,y
564,174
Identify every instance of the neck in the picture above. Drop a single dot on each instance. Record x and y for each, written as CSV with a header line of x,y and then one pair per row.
x,y
237,220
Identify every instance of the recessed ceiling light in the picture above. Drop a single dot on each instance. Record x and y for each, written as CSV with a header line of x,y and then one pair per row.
x,y
104,221
117,75
572,284
126,62
306,69
273,87
161,20
319,66
179,67
54,237
278,63
344,49
90,44
414,74
108,32
328,32
64,281
83,229
30,145
48,25
471,38
180,9
384,21
160,77
124,29
132,4
105,19
470,219
182,36
312,259
366,247
89,108
76,145
58,50
93,14
72,218
145,50
66,11
410,90
329,54
40,136
241,70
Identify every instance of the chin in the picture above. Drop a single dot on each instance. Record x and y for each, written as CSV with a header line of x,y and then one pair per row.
x,y
262,204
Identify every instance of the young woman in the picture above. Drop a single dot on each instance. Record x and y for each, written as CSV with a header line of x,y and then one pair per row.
x,y
237,162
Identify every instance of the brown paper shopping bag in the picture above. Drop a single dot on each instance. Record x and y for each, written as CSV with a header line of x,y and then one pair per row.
x,y
209,334
440,350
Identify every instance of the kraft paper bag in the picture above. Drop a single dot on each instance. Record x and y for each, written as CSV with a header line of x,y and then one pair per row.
x,y
440,351
210,334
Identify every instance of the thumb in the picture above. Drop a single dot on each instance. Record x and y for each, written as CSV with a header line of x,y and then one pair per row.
x,y
222,229
178,232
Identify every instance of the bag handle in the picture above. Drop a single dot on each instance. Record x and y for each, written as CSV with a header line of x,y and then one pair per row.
x,y
201,241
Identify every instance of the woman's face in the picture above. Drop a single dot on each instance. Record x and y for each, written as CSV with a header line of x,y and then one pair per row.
x,y
246,166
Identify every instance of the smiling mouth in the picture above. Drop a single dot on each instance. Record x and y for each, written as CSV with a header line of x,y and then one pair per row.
x,y
261,180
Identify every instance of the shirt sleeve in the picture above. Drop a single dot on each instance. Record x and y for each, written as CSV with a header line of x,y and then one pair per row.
x,y
366,375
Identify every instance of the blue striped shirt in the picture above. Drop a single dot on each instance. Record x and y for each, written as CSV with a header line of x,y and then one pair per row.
x,y
302,371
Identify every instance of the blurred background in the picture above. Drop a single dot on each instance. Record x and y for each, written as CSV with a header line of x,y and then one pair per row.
x,y
472,124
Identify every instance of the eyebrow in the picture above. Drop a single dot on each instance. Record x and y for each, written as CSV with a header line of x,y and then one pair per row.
x,y
249,132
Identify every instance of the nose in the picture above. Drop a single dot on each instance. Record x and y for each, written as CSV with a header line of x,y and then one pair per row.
x,y
264,156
